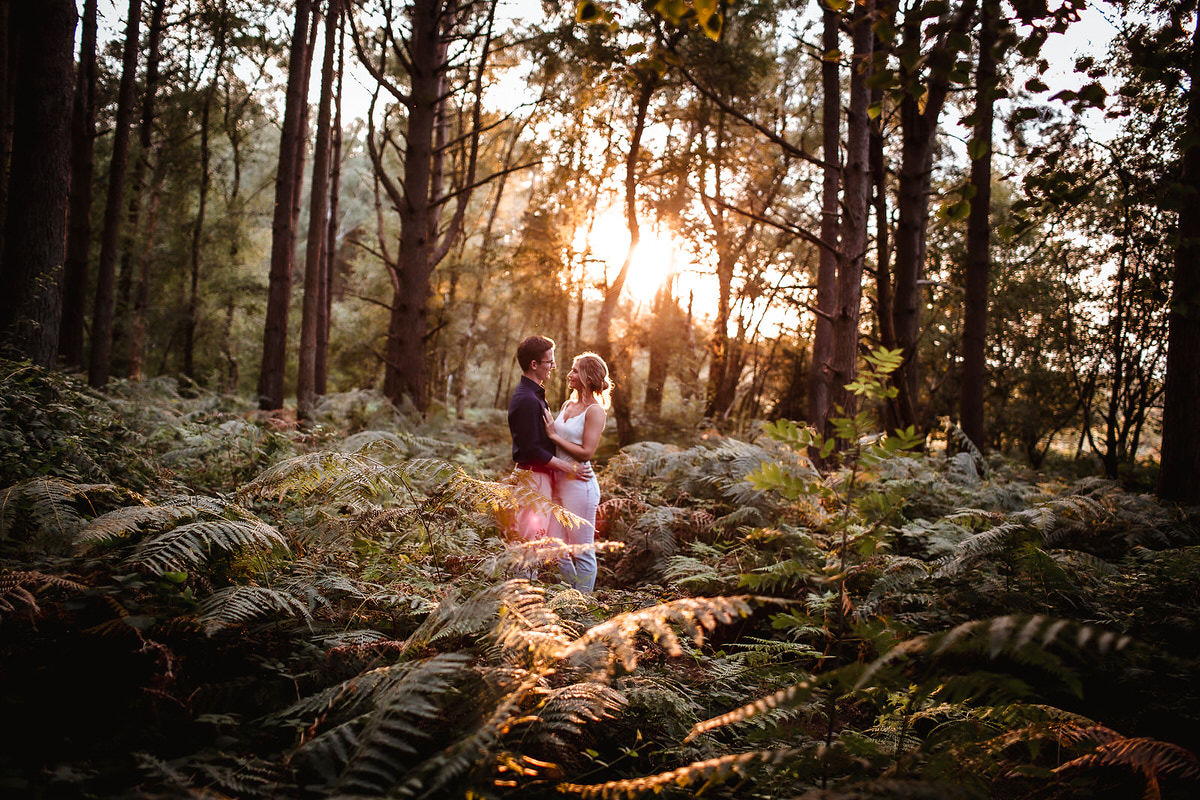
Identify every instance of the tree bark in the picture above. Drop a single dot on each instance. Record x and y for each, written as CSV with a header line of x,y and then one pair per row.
x,y
83,167
329,262
820,374
974,370
102,310
318,229
141,285
1179,475
132,244
918,123
35,228
274,355
855,203
8,55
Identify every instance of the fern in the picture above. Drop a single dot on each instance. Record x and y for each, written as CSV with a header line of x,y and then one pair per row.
x,y
15,586
618,634
50,505
188,545
710,772
236,605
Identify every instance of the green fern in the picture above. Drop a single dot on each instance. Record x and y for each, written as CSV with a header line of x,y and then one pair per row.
x,y
237,605
181,548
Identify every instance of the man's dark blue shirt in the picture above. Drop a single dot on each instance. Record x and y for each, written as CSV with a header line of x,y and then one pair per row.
x,y
526,422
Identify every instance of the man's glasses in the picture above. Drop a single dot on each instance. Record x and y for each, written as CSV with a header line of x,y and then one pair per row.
x,y
551,362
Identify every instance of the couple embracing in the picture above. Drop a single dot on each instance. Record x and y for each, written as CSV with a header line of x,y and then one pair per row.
x,y
553,454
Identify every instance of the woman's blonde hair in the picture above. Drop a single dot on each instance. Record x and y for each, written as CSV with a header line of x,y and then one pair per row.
x,y
594,374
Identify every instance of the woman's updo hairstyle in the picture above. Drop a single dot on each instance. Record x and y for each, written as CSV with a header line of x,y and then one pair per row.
x,y
593,372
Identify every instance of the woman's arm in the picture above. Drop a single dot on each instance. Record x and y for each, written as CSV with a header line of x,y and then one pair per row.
x,y
593,426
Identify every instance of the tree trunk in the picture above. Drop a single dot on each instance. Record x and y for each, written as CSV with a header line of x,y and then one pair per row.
x,y
83,164
102,310
318,229
141,286
8,56
974,370
131,242
918,123
1179,476
35,228
855,202
612,293
321,367
820,376
274,356
193,298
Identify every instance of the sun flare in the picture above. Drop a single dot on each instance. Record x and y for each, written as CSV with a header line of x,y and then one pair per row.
x,y
657,255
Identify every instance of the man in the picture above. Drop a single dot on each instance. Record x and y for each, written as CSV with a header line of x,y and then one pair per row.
x,y
532,449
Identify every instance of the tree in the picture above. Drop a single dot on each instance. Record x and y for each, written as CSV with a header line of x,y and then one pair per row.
x,y
283,233
820,387
925,84
318,227
35,227
79,231
1179,476
979,230
100,363
856,187
441,58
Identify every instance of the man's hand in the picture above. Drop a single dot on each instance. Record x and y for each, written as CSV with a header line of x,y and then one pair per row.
x,y
583,471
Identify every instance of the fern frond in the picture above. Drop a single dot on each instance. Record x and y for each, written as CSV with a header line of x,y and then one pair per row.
x,y
1014,635
189,545
695,615
406,701
50,504
311,473
1151,757
566,710
237,605
527,625
121,522
460,757
789,695
711,772
15,587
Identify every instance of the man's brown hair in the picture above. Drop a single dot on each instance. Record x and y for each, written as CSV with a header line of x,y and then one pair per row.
x,y
531,349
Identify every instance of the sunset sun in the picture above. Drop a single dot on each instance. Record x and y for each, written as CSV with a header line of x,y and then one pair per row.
x,y
658,254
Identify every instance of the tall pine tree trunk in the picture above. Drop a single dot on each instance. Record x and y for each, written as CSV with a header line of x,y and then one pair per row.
x,y
318,229
83,165
974,370
329,262
279,291
102,310
820,375
133,246
1179,478
141,284
35,227
855,202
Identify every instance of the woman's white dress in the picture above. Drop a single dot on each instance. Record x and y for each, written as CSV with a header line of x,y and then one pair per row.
x,y
579,497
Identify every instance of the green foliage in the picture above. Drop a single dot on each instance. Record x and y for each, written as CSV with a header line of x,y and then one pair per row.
x,y
356,621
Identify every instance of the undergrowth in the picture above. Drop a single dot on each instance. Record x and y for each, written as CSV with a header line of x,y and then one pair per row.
x,y
199,600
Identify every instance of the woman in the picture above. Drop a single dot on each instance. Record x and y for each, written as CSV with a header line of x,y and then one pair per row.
x,y
576,433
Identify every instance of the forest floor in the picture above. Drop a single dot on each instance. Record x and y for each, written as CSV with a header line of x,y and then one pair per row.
x,y
199,600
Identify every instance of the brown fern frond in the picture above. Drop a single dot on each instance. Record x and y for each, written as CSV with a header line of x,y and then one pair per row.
x,y
1151,757
711,772
15,587
789,695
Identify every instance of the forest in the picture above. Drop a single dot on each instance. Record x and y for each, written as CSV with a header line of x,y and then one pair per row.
x,y
899,488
